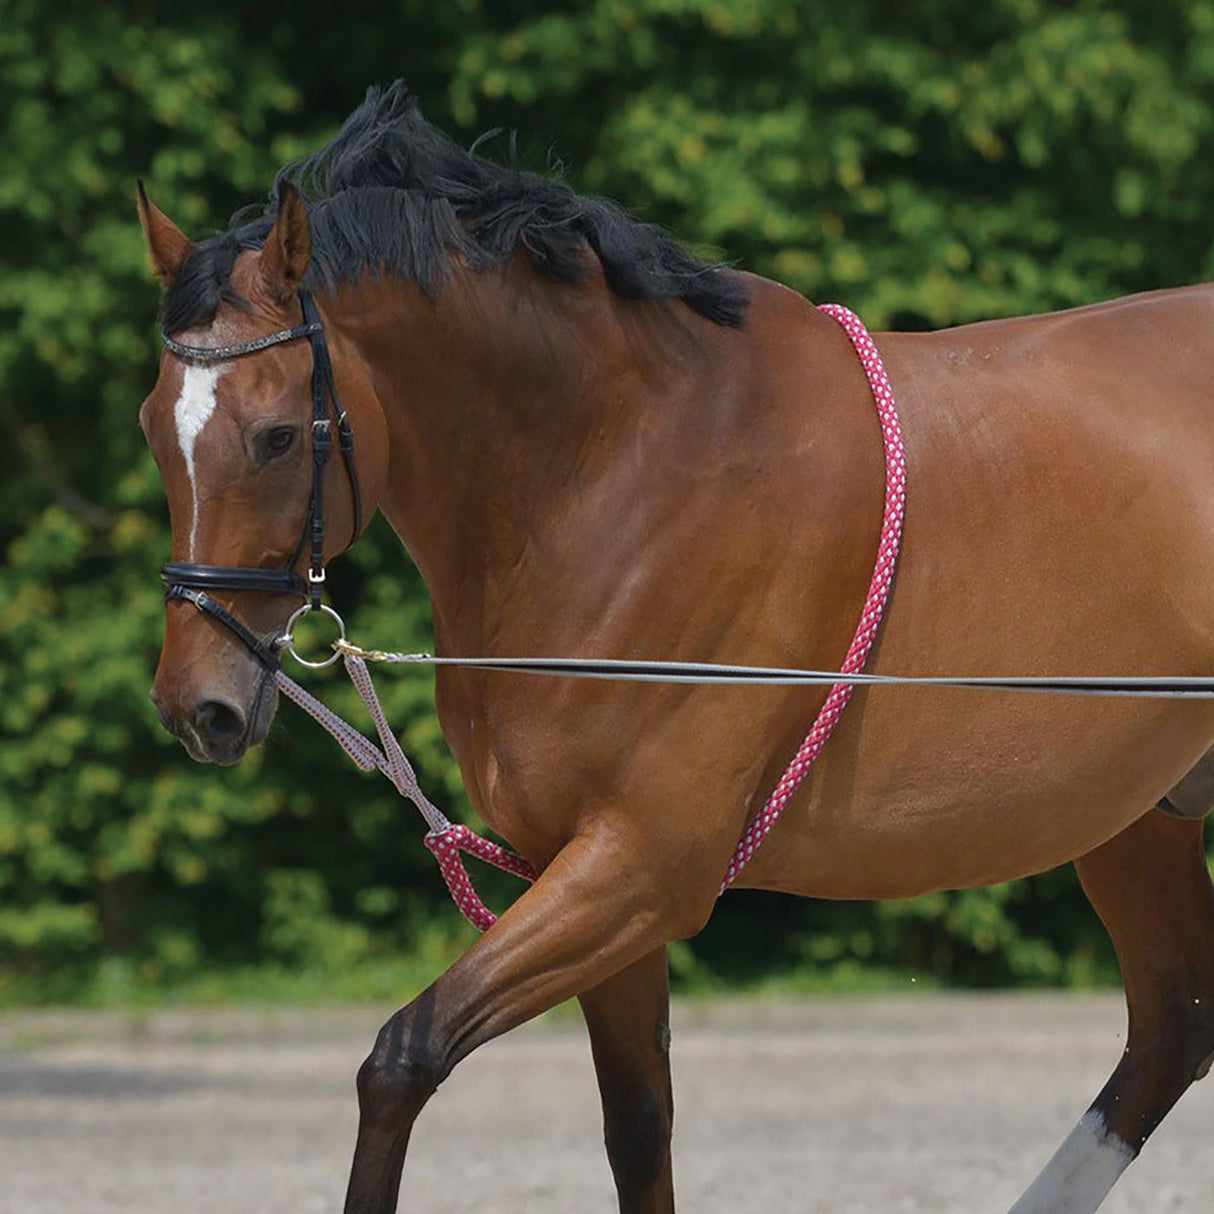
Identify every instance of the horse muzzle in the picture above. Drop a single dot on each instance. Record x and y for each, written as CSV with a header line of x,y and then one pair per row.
x,y
217,728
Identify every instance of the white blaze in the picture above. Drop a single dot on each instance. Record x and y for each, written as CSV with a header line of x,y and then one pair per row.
x,y
192,411
1081,1173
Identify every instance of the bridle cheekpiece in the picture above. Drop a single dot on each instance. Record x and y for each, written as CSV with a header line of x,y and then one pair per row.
x,y
192,582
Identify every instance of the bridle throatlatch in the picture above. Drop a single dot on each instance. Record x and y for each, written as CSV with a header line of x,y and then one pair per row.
x,y
445,839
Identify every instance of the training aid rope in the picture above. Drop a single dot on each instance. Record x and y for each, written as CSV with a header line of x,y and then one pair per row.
x,y
446,840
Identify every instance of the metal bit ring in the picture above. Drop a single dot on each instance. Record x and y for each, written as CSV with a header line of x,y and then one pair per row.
x,y
287,640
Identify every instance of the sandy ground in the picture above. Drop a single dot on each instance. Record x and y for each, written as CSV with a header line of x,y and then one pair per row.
x,y
919,1103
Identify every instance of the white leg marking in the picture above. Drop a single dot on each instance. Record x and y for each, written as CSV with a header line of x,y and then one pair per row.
x,y
1081,1173
192,411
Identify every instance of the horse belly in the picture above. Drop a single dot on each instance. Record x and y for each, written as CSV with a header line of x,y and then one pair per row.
x,y
972,801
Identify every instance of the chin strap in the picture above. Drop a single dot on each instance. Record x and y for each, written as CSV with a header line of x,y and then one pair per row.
x,y
266,652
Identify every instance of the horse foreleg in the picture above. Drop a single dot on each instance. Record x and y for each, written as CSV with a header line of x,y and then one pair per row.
x,y
598,907
629,1021
1151,887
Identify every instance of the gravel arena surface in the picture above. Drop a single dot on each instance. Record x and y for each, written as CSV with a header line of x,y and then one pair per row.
x,y
929,1102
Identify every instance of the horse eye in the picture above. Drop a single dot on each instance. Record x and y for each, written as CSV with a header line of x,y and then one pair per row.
x,y
278,440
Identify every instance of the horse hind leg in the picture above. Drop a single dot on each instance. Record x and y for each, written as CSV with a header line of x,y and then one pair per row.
x,y
1151,887
629,1021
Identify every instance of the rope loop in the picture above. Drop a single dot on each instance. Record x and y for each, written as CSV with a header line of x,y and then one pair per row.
x,y
445,846
446,840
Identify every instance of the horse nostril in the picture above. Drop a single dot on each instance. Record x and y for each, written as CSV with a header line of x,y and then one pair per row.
x,y
218,722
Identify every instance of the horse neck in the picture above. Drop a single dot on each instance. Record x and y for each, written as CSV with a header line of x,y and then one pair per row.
x,y
503,399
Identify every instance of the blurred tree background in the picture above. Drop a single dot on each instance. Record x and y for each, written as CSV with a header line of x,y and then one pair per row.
x,y
927,164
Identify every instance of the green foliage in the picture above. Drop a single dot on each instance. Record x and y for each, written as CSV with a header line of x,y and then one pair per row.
x,y
927,164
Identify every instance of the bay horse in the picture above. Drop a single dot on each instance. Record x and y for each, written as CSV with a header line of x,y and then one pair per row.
x,y
594,445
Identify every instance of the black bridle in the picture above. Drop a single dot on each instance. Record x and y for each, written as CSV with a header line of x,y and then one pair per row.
x,y
192,582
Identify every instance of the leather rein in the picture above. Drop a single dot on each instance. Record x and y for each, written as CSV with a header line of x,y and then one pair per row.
x,y
192,582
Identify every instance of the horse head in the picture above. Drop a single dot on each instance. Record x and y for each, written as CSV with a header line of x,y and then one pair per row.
x,y
230,422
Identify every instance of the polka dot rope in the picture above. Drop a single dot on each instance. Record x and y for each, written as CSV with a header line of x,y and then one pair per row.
x,y
445,846
874,604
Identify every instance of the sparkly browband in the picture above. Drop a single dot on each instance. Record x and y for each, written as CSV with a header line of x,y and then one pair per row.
x,y
218,354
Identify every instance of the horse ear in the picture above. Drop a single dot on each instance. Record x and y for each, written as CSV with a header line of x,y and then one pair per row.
x,y
168,246
288,247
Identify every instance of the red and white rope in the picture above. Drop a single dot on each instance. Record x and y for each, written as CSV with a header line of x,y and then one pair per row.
x,y
445,846
874,604
446,840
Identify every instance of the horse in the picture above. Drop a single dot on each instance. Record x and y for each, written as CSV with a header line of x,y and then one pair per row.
x,y
593,444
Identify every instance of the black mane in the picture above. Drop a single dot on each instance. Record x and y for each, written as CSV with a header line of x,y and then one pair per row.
x,y
393,191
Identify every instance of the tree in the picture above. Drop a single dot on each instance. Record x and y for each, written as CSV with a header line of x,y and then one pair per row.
x,y
926,165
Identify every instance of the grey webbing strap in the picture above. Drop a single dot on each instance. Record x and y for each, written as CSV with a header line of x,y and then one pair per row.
x,y
399,769
392,760
364,753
